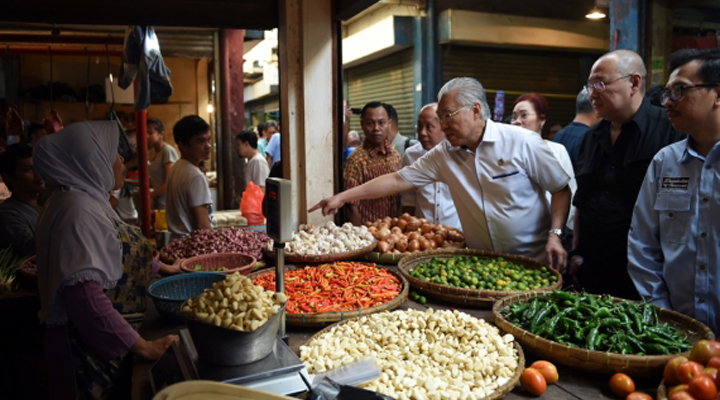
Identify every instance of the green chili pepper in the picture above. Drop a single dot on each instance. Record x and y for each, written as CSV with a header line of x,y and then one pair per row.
x,y
647,314
560,295
550,330
602,312
610,322
654,348
539,316
592,338
530,312
635,342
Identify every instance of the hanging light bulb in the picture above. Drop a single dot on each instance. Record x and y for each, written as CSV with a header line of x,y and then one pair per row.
x,y
595,13
210,108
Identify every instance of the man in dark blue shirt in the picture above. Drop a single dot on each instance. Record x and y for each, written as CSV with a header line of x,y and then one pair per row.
x,y
572,135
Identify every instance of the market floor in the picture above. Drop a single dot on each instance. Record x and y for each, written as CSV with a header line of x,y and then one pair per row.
x,y
573,384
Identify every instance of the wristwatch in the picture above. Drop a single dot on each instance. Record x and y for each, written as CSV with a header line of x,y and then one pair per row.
x,y
558,232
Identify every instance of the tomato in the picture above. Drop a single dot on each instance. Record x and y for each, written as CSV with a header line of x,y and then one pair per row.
x,y
670,374
533,381
681,395
638,396
679,388
711,372
714,362
547,370
703,351
622,385
703,388
688,370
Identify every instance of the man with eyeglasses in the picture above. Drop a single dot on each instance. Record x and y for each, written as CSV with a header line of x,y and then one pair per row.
x,y
674,241
497,175
376,157
612,162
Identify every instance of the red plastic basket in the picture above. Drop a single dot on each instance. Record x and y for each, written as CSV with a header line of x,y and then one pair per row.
x,y
234,262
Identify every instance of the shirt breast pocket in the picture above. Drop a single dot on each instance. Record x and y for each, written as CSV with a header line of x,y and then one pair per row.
x,y
674,210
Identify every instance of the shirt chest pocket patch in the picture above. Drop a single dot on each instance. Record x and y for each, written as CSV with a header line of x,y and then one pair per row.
x,y
674,213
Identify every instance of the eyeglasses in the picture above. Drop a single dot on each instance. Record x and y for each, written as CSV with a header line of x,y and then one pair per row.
x,y
676,92
447,117
524,115
600,86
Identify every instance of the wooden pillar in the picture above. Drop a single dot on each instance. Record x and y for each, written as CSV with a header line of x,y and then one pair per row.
x,y
308,103
232,113
660,40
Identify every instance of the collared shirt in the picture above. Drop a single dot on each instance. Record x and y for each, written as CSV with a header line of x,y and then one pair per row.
x,y
402,143
273,149
674,240
366,163
432,202
571,137
609,179
498,189
562,155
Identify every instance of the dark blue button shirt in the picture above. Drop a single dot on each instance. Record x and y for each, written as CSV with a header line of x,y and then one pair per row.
x,y
571,136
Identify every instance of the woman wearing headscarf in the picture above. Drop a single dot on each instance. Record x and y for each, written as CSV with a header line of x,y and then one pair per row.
x,y
91,265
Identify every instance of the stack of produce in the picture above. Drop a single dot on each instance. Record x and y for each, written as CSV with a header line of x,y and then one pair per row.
x,y
483,274
234,303
695,377
224,240
341,286
9,266
421,355
409,234
597,323
328,239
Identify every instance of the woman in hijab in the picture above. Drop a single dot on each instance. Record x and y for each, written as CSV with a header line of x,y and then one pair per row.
x,y
91,266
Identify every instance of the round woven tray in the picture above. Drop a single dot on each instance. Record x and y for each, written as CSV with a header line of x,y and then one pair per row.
x,y
331,317
25,273
599,361
394,258
496,395
461,296
322,258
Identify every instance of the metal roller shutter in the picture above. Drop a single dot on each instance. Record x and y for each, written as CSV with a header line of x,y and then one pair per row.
x,y
555,75
389,79
188,44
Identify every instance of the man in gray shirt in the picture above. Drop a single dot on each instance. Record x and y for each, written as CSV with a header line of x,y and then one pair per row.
x,y
257,169
164,157
19,213
189,202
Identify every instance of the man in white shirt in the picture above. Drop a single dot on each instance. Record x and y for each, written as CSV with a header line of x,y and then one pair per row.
x,y
497,174
432,202
256,169
188,199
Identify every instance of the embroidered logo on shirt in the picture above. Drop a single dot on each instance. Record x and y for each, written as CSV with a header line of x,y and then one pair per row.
x,y
501,161
675,183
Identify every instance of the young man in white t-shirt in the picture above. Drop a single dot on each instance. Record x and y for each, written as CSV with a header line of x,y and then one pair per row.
x,y
189,203
257,169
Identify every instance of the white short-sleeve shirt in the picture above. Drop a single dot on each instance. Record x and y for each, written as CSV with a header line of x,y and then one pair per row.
x,y
187,188
498,189
432,202
563,156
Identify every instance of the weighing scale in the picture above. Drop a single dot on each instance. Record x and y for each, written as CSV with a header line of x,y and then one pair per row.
x,y
281,372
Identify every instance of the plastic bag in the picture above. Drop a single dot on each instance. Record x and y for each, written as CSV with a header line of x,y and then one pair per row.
x,y
251,204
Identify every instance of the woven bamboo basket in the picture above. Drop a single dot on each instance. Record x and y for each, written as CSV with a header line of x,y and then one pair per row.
x,y
331,317
394,258
501,392
455,295
323,258
599,361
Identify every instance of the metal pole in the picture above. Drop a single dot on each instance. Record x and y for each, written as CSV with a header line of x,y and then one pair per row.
x,y
280,279
141,129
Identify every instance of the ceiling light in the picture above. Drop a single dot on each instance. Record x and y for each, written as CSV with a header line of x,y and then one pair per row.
x,y
210,108
596,13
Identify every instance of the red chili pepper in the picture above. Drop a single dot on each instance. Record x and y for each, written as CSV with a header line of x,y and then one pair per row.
x,y
341,286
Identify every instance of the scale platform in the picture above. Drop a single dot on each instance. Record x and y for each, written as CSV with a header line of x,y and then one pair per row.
x,y
280,372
